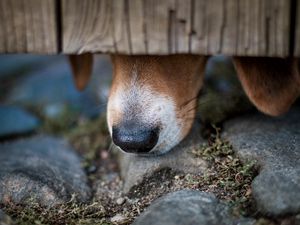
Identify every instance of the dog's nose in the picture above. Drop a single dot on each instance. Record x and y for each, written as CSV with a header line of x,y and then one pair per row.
x,y
135,138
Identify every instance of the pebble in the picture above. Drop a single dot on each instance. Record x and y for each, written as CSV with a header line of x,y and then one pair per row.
x,y
120,201
43,169
118,218
135,168
15,120
274,145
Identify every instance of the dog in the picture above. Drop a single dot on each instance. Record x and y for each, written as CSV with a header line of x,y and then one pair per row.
x,y
153,99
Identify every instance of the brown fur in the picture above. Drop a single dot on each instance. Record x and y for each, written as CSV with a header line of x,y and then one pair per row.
x,y
272,84
177,76
82,69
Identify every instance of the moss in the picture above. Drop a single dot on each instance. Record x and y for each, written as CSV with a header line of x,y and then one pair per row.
x,y
66,120
69,213
215,107
89,138
263,221
228,176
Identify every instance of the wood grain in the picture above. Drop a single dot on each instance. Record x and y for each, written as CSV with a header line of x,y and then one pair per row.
x,y
233,27
87,26
297,30
247,27
28,26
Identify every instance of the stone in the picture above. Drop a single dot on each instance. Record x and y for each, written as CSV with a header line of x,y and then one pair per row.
x,y
222,95
51,90
15,121
120,201
220,74
40,169
189,207
135,168
118,218
5,219
274,143
277,191
12,65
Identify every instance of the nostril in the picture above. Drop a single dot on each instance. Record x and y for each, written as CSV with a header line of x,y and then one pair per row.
x,y
152,139
135,138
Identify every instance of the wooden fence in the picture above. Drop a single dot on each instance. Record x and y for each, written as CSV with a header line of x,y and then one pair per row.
x,y
232,27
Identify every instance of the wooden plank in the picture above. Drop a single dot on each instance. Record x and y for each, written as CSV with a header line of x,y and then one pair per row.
x,y
183,25
248,27
137,27
157,23
233,27
297,31
95,26
28,26
121,25
87,26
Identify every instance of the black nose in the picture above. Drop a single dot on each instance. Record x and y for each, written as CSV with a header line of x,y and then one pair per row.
x,y
134,137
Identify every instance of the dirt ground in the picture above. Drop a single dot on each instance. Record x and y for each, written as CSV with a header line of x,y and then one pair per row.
x,y
228,178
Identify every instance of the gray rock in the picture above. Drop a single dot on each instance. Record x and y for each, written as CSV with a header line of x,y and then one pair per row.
x,y
51,90
275,144
189,207
277,191
222,96
134,168
41,169
12,65
220,74
5,219
15,120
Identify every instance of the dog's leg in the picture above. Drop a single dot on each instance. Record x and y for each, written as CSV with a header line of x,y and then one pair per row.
x,y
82,66
272,84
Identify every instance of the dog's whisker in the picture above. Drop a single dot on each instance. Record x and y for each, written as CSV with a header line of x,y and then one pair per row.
x,y
200,102
187,109
190,109
144,100
187,115
189,101
203,102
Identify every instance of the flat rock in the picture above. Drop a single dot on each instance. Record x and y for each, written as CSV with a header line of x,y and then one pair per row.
x,y
5,219
222,96
189,207
275,144
51,90
15,120
41,169
134,168
220,74
13,65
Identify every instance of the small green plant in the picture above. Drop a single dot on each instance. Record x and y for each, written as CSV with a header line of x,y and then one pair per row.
x,y
61,123
71,213
227,173
89,139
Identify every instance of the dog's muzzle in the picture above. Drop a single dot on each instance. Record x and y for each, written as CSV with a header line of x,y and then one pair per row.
x,y
133,137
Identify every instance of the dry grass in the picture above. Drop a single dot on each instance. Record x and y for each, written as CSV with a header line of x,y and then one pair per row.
x,y
228,177
71,213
